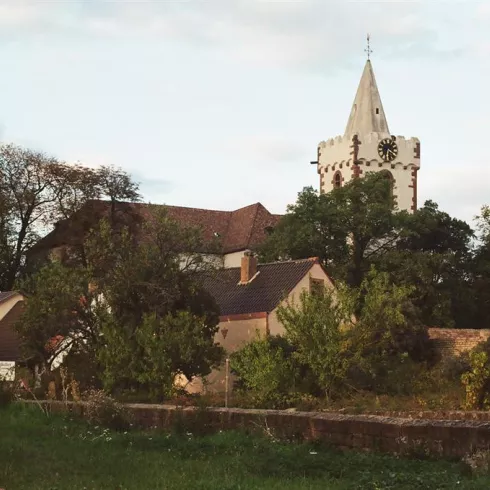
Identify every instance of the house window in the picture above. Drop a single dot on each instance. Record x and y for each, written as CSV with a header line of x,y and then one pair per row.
x,y
337,180
377,110
317,286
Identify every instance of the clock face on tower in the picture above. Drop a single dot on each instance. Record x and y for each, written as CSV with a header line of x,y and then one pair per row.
x,y
387,149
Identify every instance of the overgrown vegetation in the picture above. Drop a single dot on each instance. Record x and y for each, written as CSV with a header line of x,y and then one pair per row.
x,y
443,260
71,454
344,340
132,308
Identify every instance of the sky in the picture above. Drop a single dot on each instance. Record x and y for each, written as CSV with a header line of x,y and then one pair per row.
x,y
220,104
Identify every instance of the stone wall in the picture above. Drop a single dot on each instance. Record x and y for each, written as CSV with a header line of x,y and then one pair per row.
x,y
444,438
452,341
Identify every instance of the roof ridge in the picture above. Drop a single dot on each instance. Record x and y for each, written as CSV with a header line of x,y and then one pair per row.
x,y
258,203
181,207
106,201
314,260
307,259
254,219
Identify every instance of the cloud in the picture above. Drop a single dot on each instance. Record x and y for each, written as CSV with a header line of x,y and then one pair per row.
x,y
258,149
13,15
310,36
451,188
154,188
483,10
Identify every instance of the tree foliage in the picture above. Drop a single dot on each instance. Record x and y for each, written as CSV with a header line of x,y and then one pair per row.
x,y
37,191
61,312
366,350
345,228
268,370
317,328
356,226
388,334
134,302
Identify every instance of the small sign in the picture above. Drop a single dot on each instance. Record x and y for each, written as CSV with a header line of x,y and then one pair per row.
x,y
7,370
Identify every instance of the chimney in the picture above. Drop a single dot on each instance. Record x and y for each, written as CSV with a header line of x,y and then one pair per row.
x,y
249,268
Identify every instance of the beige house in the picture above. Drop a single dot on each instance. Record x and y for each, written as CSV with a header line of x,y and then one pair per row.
x,y
11,305
248,298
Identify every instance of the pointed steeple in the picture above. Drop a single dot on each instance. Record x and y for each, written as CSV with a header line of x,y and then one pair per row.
x,y
367,114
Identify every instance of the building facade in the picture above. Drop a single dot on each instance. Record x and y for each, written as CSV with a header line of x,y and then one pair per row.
x,y
368,146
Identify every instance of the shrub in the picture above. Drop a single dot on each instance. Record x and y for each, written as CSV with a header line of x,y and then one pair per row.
x,y
267,371
316,328
477,382
387,342
101,409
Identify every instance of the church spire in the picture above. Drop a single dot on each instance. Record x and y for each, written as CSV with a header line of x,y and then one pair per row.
x,y
367,114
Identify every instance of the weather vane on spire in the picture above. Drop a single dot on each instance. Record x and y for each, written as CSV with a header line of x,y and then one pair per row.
x,y
368,50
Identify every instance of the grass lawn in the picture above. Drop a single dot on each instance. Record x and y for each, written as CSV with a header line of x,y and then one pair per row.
x,y
40,453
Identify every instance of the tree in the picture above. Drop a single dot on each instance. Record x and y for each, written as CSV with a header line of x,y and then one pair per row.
x,y
162,322
350,346
480,272
356,226
135,305
61,313
387,334
316,327
36,191
483,224
433,256
345,228
156,352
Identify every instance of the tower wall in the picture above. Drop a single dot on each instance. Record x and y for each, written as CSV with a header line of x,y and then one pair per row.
x,y
336,157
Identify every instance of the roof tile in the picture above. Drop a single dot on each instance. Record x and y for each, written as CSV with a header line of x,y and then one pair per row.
x,y
270,286
233,230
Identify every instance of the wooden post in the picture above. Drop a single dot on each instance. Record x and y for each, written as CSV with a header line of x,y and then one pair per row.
x,y
227,370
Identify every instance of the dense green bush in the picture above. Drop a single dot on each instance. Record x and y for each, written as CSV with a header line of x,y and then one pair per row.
x,y
388,342
268,370
477,381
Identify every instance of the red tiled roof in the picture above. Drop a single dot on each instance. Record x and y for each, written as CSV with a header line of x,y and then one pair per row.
x,y
270,286
233,230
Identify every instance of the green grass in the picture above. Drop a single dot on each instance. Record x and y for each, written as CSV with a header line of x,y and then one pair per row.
x,y
38,452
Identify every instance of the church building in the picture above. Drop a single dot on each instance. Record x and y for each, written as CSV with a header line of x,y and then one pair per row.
x,y
368,146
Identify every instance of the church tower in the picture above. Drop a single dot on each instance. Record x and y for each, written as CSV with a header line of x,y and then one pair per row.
x,y
368,146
